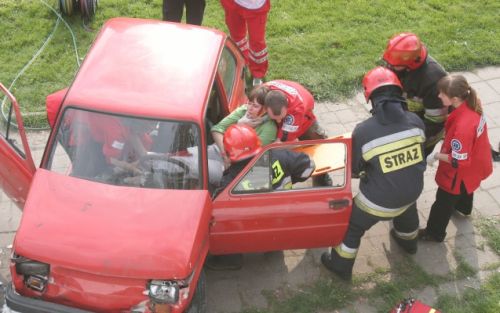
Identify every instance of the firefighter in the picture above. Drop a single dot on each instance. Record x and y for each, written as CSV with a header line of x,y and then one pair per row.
x,y
464,158
291,106
241,143
250,16
387,156
418,73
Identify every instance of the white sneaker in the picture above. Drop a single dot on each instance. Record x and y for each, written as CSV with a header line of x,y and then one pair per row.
x,y
257,82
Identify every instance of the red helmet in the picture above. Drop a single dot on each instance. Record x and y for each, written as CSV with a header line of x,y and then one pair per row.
x,y
378,77
241,142
405,49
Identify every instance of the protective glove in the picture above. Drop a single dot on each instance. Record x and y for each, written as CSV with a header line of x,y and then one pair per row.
x,y
432,157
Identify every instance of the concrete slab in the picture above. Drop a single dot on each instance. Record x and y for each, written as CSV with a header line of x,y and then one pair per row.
x,y
486,73
485,92
495,84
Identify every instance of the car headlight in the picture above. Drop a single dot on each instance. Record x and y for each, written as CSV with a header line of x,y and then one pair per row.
x,y
35,273
163,291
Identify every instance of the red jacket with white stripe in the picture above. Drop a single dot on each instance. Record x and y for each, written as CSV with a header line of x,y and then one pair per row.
x,y
467,145
300,114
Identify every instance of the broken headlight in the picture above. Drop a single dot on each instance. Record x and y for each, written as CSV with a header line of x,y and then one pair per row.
x,y
163,291
36,274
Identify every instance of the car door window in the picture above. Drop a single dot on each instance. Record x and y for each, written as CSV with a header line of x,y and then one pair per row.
x,y
277,170
227,71
8,127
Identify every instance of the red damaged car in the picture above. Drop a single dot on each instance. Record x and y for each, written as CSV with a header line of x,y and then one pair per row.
x,y
119,215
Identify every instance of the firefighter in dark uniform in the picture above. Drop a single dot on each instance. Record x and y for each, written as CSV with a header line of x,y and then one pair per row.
x,y
241,143
388,158
419,73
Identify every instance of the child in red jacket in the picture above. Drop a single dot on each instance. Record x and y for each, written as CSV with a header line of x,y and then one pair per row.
x,y
464,158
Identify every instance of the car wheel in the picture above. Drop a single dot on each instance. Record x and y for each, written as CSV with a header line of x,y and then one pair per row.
x,y
199,301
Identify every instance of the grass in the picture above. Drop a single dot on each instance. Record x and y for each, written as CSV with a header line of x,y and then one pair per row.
x,y
490,229
384,288
327,45
484,300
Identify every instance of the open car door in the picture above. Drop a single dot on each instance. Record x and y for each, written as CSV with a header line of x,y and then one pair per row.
x,y
252,215
16,167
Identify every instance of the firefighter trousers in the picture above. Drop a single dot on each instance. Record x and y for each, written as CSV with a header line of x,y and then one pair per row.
x,y
241,21
443,208
405,227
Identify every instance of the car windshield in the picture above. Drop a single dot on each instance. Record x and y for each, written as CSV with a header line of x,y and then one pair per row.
x,y
127,150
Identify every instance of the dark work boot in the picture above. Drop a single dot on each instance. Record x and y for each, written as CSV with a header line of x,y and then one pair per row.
x,y
424,235
409,246
326,260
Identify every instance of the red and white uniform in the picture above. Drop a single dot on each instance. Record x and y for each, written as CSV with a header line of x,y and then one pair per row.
x,y
110,132
251,16
300,114
467,144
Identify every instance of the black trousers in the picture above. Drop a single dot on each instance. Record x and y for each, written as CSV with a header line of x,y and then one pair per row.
x,y
173,9
362,221
443,208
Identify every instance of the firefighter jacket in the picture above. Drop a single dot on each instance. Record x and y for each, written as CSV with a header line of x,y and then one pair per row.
x,y
300,114
420,86
289,167
467,145
388,157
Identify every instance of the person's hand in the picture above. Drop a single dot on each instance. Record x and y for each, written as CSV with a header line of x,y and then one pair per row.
x,y
432,158
227,162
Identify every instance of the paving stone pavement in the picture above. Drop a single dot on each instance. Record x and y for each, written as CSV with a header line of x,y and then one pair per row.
x,y
233,291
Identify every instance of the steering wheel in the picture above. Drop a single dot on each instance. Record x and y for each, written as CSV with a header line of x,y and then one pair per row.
x,y
158,162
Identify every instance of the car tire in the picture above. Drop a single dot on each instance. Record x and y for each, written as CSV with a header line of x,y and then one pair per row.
x,y
199,301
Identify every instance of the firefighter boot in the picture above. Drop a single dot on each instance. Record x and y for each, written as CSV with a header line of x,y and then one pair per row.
x,y
409,245
336,264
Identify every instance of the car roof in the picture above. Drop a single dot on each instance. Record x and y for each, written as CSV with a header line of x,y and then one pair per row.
x,y
149,68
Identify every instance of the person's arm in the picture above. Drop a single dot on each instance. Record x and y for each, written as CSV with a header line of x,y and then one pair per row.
x,y
218,140
229,120
461,147
356,158
292,127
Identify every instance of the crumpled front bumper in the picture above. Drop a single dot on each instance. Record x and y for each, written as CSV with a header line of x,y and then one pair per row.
x,y
15,303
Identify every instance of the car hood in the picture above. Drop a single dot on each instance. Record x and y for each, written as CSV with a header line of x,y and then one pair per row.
x,y
112,230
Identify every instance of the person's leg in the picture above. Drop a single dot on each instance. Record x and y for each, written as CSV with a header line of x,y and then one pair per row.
x,y
341,259
236,25
464,204
172,10
439,217
194,11
406,229
258,59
